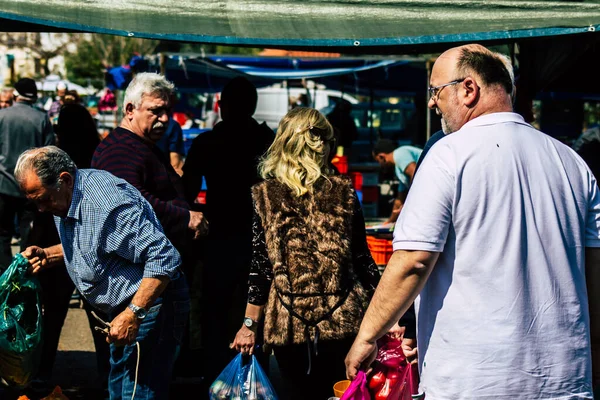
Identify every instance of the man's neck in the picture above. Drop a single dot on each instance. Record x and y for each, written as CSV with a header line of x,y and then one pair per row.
x,y
389,158
493,103
125,124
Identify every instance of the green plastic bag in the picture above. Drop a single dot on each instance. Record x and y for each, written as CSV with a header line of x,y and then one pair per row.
x,y
20,323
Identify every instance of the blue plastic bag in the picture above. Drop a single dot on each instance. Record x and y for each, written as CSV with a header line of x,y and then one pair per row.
x,y
242,380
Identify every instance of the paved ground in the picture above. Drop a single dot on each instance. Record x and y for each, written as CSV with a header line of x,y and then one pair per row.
x,y
75,367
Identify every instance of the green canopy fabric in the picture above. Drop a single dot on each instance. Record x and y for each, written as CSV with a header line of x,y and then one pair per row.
x,y
335,24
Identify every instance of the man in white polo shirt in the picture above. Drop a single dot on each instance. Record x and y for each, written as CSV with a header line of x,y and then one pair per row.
x,y
499,237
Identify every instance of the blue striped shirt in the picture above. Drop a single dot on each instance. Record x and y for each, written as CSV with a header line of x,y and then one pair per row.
x,y
112,239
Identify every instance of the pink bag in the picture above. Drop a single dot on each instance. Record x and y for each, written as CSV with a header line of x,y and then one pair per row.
x,y
393,378
407,385
358,389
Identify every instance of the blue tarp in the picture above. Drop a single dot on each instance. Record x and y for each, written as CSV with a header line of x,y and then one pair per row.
x,y
297,68
192,73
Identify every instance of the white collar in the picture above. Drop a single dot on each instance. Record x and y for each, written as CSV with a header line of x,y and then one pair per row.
x,y
495,118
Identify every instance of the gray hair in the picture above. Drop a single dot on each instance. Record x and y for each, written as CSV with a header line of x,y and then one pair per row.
x,y
508,64
147,83
9,91
47,163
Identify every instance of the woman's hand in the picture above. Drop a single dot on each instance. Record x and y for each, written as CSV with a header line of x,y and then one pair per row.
x,y
244,341
397,331
409,347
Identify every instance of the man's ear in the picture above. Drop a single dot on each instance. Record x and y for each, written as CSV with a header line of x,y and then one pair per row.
x,y
470,91
129,109
67,179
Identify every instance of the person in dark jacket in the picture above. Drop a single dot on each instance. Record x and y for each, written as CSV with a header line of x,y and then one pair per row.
x,y
130,153
21,127
343,125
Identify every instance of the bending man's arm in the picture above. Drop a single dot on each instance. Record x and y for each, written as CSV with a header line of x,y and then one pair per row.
x,y
141,241
124,327
43,258
402,280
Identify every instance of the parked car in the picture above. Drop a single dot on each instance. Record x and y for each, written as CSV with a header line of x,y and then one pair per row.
x,y
274,102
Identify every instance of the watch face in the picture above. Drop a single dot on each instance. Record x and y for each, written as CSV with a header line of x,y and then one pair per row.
x,y
248,322
139,312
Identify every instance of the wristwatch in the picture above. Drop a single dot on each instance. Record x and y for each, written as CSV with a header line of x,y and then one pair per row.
x,y
250,323
139,312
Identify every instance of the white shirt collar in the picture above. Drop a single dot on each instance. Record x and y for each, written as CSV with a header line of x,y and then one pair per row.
x,y
494,118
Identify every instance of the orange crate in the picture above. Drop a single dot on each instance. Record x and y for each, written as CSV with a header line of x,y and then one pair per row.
x,y
381,249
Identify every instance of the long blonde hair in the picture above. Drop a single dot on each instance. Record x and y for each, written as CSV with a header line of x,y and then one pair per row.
x,y
299,155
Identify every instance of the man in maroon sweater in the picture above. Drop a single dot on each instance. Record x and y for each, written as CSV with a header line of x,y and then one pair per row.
x,y
129,152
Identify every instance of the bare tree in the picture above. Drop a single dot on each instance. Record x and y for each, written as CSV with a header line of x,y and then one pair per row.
x,y
41,46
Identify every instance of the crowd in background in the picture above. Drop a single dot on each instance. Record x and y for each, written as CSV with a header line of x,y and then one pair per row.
x,y
276,261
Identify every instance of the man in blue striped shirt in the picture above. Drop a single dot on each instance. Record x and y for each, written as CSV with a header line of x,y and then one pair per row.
x,y
119,259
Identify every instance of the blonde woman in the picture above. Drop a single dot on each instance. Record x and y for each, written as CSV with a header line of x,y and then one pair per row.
x,y
312,274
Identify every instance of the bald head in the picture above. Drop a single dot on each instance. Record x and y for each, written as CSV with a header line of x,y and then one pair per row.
x,y
470,81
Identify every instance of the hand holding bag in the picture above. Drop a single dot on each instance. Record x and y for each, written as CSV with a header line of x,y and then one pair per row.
x,y
242,380
358,389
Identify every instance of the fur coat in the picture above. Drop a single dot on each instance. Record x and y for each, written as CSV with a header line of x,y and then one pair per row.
x,y
315,293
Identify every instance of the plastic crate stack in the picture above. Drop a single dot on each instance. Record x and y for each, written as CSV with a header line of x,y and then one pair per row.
x,y
381,250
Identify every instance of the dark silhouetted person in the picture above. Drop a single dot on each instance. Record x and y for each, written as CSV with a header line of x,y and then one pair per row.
x,y
343,125
227,157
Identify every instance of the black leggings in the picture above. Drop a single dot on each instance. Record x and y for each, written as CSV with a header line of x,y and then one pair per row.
x,y
327,368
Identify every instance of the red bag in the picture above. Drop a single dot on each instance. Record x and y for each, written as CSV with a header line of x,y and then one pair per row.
x,y
358,389
393,378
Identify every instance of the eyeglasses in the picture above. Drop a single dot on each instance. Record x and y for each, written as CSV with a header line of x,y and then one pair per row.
x,y
434,91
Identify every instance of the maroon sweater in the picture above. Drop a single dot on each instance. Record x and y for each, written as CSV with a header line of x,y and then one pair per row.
x,y
128,156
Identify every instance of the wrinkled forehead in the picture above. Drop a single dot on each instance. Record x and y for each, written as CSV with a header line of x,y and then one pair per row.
x,y
31,184
156,98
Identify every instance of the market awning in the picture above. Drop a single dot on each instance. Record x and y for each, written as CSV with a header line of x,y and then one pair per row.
x,y
353,26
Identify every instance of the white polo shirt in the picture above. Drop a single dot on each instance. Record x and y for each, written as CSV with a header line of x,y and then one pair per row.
x,y
504,314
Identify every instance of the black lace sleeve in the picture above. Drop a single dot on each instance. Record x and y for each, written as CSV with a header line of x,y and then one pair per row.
x,y
261,270
363,262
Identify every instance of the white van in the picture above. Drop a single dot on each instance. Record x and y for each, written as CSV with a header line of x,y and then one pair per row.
x,y
274,102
